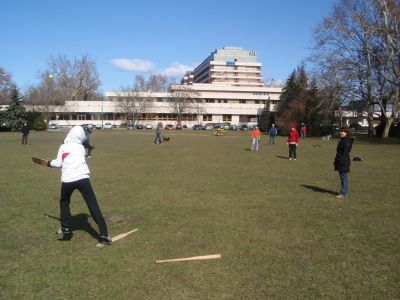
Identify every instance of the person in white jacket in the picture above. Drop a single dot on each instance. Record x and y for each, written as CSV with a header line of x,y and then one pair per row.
x,y
75,174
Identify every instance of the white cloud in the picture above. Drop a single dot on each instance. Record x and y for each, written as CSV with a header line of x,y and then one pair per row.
x,y
138,65
176,70
275,82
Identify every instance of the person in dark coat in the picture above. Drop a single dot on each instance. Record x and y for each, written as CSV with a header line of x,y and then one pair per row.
x,y
342,160
25,133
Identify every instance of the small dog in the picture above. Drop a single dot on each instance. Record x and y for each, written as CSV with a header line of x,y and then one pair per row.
x,y
326,137
166,139
357,158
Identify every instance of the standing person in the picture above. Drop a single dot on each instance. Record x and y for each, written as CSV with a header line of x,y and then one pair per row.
x,y
86,143
157,140
273,132
342,160
293,141
75,174
25,133
255,134
303,131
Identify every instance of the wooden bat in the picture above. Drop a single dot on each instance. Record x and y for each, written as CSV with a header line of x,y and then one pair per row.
x,y
122,235
40,161
203,257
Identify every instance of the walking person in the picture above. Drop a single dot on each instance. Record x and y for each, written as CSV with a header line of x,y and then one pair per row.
x,y
25,133
255,134
75,174
303,131
273,132
157,140
86,143
342,160
293,142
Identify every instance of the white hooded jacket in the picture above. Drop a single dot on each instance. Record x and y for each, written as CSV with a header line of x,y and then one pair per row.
x,y
71,157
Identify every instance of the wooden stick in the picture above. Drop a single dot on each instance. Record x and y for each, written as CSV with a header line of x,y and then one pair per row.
x,y
122,235
202,257
40,161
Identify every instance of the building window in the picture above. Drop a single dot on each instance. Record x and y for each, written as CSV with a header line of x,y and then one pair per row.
x,y
207,118
210,101
257,101
242,101
227,118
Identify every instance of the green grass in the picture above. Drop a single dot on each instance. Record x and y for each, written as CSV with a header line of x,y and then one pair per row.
x,y
281,232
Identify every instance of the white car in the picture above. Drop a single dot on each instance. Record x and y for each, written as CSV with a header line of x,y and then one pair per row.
x,y
53,126
108,125
148,126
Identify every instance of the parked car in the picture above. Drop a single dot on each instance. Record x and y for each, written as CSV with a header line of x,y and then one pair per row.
x,y
98,126
169,127
130,126
139,126
108,125
197,127
233,127
244,127
178,127
149,126
53,126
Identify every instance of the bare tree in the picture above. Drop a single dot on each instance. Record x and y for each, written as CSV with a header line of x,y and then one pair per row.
x,y
78,78
5,86
184,100
133,103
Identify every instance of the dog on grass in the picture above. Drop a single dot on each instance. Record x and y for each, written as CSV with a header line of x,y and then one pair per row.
x,y
326,137
165,139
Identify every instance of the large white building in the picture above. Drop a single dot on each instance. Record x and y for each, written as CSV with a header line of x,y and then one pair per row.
x,y
227,85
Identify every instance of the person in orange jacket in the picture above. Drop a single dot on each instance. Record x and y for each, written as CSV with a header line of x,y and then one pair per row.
x,y
293,141
255,135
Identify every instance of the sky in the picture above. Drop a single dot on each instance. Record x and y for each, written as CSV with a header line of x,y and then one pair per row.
x,y
126,38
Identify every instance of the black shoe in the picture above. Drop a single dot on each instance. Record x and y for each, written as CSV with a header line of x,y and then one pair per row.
x,y
64,233
104,241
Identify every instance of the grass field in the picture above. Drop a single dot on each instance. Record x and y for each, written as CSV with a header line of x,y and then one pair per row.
x,y
281,232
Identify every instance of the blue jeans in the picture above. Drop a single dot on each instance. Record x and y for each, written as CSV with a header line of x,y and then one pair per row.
x,y
254,146
344,183
271,139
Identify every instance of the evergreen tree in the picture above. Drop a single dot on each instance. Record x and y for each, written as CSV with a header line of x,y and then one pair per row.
x,y
15,115
312,116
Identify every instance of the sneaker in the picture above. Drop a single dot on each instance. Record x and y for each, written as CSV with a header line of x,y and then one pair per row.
x,y
290,158
64,233
294,159
339,196
104,241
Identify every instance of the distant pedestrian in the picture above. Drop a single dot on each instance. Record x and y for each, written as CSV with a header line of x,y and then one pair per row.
x,y
303,131
157,140
88,147
25,133
293,141
342,160
273,132
255,134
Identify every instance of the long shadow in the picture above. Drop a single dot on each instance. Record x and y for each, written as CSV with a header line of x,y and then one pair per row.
x,y
80,222
284,157
318,189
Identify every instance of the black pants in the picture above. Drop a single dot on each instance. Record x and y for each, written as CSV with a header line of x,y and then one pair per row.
x,y
86,190
24,139
292,151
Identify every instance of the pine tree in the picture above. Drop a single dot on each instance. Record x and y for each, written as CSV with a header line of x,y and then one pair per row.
x,y
15,115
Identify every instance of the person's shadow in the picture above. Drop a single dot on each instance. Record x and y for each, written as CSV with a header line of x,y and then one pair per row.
x,y
318,189
79,222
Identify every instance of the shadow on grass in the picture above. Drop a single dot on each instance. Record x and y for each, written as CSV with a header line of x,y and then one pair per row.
x,y
283,157
318,189
80,222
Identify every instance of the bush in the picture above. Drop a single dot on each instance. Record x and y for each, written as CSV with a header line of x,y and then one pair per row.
x,y
39,124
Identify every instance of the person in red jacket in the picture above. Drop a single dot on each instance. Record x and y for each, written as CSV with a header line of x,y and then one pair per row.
x,y
255,135
303,131
293,141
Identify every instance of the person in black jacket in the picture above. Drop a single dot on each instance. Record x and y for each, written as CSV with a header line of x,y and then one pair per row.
x,y
25,133
342,160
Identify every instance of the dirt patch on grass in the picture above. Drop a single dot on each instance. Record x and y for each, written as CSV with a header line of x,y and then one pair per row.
x,y
121,218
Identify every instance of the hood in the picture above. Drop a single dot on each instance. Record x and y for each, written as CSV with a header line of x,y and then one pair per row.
x,y
75,135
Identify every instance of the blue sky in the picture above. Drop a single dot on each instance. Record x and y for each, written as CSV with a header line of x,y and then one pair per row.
x,y
126,38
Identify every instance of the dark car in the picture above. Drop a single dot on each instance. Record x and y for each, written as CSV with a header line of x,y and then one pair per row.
x,y
169,127
197,127
178,127
244,127
139,126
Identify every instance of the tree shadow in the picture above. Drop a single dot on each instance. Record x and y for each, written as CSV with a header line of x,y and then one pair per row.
x,y
80,222
318,189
